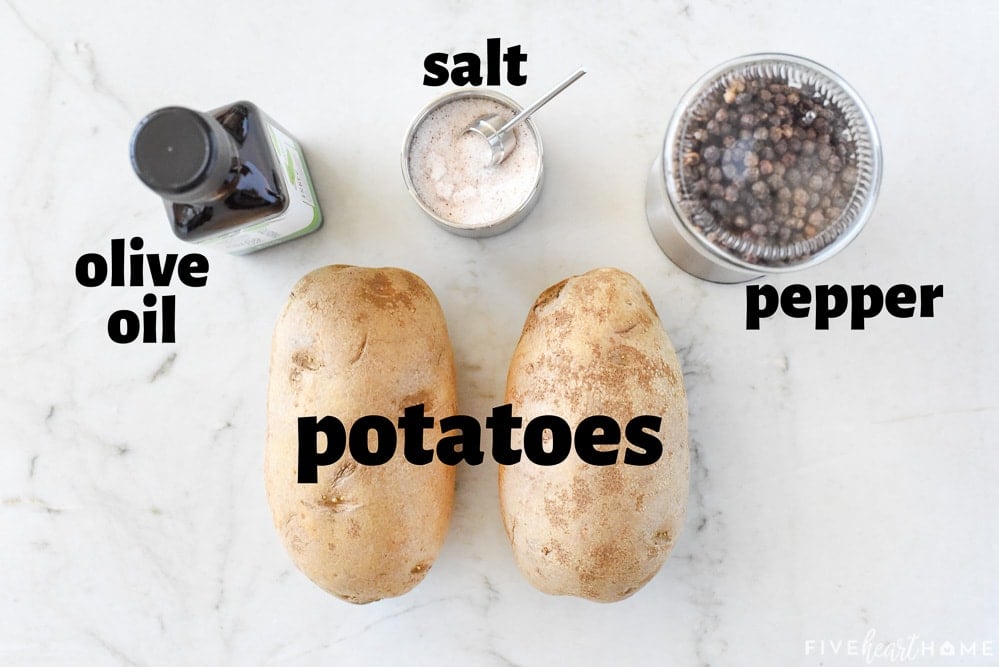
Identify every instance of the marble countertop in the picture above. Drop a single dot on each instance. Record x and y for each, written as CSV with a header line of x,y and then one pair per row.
x,y
843,483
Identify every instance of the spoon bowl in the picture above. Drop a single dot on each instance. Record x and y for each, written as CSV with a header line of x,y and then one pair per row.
x,y
500,137
501,144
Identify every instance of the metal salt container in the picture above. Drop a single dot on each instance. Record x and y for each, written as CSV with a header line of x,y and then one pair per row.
x,y
499,225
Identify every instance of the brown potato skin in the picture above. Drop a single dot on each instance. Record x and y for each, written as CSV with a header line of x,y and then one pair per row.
x,y
593,344
350,342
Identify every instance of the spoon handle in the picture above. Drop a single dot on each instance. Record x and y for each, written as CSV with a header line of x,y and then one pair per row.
x,y
513,122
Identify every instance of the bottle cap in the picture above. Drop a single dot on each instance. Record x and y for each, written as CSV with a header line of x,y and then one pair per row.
x,y
181,154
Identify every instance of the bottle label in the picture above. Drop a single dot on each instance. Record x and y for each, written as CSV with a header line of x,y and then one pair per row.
x,y
302,215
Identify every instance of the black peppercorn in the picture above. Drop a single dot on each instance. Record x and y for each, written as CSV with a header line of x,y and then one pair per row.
x,y
771,163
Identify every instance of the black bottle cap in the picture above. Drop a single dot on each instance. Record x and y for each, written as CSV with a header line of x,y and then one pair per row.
x,y
181,154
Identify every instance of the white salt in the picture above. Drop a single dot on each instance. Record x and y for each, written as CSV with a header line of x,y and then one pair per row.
x,y
450,170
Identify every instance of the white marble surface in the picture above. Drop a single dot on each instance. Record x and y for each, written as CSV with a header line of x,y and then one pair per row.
x,y
843,482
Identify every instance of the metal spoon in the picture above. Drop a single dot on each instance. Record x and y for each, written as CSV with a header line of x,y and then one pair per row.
x,y
502,139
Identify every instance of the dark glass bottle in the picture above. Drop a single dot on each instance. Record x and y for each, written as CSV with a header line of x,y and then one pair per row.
x,y
230,178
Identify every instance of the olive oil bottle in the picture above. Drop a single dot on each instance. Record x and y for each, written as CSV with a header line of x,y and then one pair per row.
x,y
231,178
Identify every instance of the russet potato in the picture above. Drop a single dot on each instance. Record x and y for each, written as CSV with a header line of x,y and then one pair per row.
x,y
353,342
594,345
